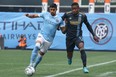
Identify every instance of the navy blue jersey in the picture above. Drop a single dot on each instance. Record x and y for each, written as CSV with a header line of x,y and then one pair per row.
x,y
74,24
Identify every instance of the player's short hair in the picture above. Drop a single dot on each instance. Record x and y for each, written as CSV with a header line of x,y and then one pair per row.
x,y
53,5
75,4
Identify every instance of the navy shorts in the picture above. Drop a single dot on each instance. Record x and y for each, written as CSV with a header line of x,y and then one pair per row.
x,y
72,42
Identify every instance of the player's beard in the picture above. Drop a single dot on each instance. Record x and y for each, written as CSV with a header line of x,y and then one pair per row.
x,y
53,14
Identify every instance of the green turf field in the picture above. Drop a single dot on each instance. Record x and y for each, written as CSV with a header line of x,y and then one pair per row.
x,y
54,64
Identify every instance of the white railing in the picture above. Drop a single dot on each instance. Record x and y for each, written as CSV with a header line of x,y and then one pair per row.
x,y
83,6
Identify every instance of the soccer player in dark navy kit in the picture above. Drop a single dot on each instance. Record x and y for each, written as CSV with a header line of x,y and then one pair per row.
x,y
74,20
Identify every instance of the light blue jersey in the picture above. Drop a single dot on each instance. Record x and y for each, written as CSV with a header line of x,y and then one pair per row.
x,y
50,25
48,31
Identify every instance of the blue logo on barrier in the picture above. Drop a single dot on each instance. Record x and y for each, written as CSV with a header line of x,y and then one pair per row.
x,y
103,29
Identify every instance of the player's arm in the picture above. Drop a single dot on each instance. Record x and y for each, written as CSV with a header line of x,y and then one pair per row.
x,y
88,25
64,16
32,15
63,29
62,26
90,29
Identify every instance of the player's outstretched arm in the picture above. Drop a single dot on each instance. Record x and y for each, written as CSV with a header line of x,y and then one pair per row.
x,y
90,29
32,15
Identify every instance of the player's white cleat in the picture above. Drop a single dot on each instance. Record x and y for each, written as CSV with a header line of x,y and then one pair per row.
x,y
85,70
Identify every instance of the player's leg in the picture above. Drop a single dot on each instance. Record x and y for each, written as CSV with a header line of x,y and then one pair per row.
x,y
43,50
38,44
80,44
83,57
38,59
69,56
70,48
83,54
34,54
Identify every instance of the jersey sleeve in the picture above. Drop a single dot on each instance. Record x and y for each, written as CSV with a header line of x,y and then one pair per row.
x,y
62,24
64,16
88,24
42,14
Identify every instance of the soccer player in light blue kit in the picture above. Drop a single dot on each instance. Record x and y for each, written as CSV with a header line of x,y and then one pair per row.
x,y
45,38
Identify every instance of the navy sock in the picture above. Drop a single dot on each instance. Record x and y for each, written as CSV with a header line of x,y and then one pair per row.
x,y
83,57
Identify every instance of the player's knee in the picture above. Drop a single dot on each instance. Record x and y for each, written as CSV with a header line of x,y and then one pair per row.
x,y
81,45
37,44
41,53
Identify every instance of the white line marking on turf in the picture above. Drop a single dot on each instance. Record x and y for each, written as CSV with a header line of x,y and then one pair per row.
x,y
106,74
52,64
77,69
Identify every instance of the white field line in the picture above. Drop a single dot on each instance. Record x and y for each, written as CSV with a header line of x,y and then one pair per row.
x,y
106,74
77,69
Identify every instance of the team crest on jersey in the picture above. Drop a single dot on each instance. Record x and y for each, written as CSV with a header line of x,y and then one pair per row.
x,y
103,29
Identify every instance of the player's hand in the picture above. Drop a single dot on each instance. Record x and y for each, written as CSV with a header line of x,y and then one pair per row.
x,y
27,15
63,29
96,38
32,15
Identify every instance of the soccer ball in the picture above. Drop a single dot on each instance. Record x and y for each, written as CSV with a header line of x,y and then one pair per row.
x,y
29,71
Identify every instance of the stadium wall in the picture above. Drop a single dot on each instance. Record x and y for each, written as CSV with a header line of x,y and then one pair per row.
x,y
12,25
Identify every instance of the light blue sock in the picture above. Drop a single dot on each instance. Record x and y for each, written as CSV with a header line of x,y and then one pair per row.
x,y
38,60
34,55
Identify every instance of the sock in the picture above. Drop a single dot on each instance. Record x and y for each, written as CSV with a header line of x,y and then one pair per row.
x,y
34,55
69,55
38,60
83,57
